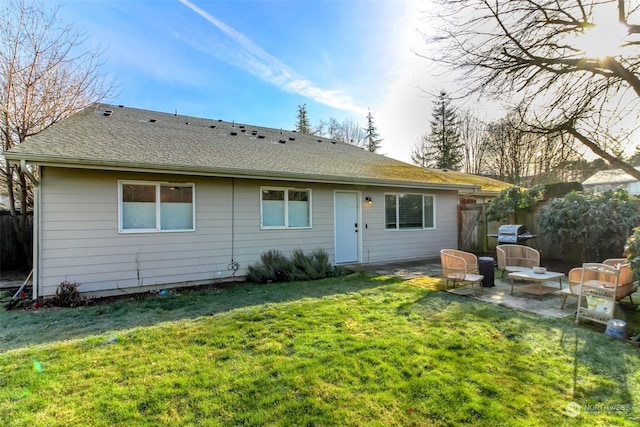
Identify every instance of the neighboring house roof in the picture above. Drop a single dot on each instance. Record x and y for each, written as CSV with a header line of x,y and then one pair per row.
x,y
613,176
115,137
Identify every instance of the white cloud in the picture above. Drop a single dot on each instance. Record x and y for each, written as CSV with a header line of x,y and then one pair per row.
x,y
255,60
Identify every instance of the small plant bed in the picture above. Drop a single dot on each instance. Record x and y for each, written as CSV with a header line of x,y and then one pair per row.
x,y
354,350
274,266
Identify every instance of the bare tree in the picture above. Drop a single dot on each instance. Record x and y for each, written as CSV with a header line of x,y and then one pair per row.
x,y
509,149
515,154
45,76
472,133
533,53
349,131
420,153
329,129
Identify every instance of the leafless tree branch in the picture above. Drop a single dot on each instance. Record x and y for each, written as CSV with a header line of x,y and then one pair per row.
x,y
527,53
46,74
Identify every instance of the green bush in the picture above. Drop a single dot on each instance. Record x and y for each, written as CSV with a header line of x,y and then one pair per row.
x,y
591,227
275,267
512,200
632,251
560,189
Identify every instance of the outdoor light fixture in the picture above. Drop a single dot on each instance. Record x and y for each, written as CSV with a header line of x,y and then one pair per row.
x,y
368,199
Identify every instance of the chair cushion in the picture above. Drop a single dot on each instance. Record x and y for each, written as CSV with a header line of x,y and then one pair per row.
x,y
473,277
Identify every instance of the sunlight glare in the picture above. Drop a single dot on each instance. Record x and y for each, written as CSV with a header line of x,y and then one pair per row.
x,y
605,38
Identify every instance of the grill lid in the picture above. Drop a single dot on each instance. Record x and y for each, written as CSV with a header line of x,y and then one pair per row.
x,y
512,230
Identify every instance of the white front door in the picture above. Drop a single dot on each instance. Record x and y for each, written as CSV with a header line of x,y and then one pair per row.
x,y
346,226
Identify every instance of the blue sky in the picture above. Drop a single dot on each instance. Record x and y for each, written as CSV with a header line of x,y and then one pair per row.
x,y
255,61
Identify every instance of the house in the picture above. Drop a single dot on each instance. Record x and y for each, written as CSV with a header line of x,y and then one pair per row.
x,y
611,180
129,199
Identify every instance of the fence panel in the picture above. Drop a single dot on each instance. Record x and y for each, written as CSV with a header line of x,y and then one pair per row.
x,y
11,256
472,228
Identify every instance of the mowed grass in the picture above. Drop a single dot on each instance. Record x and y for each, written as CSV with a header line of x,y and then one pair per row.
x,y
351,351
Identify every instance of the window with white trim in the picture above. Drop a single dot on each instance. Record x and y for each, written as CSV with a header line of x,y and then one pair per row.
x,y
155,206
409,211
285,207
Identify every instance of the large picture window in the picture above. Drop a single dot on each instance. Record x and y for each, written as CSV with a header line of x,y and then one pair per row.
x,y
148,206
409,211
285,208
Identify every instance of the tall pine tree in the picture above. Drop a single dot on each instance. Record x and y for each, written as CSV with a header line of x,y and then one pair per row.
x,y
372,143
442,148
302,125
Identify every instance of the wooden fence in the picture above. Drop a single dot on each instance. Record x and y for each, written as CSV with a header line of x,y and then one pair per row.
x,y
11,256
473,229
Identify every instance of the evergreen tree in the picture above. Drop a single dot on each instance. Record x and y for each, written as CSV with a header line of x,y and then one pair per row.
x,y
442,148
302,125
372,143
635,157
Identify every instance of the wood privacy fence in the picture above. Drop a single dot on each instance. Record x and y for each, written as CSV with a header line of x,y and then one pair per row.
x,y
473,229
11,256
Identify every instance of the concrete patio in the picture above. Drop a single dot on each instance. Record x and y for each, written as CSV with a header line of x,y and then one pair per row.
x,y
547,306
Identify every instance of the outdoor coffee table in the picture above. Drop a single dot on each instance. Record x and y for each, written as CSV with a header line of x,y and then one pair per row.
x,y
536,285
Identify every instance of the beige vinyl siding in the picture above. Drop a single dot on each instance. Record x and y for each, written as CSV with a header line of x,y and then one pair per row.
x,y
251,241
381,245
79,239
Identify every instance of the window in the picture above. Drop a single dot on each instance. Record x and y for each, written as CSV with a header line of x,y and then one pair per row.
x,y
285,208
409,211
147,206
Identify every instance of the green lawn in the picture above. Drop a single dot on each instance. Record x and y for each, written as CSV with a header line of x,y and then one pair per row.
x,y
357,350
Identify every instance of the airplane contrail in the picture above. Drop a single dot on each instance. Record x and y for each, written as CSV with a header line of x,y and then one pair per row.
x,y
272,70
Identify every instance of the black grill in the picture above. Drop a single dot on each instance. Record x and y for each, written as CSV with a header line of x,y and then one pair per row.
x,y
514,234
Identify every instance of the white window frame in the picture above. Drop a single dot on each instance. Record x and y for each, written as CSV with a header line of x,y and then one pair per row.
x,y
397,196
158,185
286,225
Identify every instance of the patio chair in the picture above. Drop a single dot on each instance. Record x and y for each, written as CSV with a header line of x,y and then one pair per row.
x,y
625,287
460,266
512,258
574,278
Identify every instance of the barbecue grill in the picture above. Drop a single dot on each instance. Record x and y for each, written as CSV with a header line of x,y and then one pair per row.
x,y
513,234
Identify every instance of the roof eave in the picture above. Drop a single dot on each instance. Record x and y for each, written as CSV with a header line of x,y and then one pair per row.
x,y
235,173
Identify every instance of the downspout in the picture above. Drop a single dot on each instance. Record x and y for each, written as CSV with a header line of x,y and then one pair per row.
x,y
36,228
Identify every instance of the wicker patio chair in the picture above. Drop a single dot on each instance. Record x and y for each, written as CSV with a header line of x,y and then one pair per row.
x,y
625,287
512,258
460,266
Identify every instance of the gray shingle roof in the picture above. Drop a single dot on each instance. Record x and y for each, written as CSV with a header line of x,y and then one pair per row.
x,y
612,176
129,138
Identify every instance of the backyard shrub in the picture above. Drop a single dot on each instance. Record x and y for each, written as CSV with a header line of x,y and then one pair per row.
x,y
632,251
511,200
310,267
275,267
560,189
591,227
67,295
